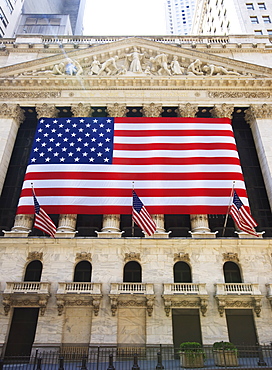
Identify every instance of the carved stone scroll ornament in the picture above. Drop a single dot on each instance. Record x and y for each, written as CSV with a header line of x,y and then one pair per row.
x,y
181,257
254,112
187,110
222,110
37,301
35,256
224,303
200,303
117,110
83,256
132,256
46,110
233,257
12,111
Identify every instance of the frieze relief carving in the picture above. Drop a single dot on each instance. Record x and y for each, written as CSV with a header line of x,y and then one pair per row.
x,y
29,94
239,94
38,301
133,61
253,303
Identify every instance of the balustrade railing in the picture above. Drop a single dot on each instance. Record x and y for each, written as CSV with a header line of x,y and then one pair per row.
x,y
79,288
27,287
131,288
237,288
184,288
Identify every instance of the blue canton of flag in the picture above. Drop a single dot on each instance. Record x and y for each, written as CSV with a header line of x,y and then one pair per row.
x,y
73,140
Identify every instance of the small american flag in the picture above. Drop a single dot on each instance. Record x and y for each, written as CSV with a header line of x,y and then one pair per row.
x,y
42,220
141,217
241,216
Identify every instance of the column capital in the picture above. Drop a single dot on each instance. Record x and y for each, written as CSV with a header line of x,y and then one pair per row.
x,y
187,110
12,111
117,110
152,110
46,110
222,110
81,110
256,111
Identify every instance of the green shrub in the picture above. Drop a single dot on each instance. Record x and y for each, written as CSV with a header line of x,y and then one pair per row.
x,y
191,348
227,346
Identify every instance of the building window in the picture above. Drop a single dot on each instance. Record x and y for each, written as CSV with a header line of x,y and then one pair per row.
x,y
132,272
250,6
9,5
266,19
232,273
258,32
254,19
83,272
3,17
33,271
262,6
269,32
182,273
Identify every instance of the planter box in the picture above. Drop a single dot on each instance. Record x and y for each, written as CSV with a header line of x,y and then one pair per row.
x,y
189,360
225,358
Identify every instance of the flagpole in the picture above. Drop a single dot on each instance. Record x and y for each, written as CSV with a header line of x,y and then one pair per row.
x,y
132,222
230,201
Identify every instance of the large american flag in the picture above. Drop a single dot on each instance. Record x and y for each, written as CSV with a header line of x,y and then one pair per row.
x,y
88,165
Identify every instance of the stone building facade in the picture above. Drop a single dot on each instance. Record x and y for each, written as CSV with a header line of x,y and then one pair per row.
x,y
97,282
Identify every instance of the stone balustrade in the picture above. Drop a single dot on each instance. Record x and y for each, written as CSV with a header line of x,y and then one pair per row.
x,y
184,288
237,288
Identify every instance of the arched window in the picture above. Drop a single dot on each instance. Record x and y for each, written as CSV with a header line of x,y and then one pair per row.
x,y
132,272
232,273
83,272
33,271
182,273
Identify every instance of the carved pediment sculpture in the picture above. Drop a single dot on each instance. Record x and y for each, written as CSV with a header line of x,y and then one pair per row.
x,y
134,57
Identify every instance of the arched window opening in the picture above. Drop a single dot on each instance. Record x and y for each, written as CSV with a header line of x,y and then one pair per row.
x,y
83,272
232,273
182,273
132,272
33,271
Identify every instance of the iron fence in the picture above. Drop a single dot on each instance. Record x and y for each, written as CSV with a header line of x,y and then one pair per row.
x,y
141,358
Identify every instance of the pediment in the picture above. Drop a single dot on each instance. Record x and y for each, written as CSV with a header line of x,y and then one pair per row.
x,y
131,58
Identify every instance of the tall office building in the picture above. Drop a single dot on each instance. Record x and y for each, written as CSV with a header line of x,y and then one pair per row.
x,y
179,16
44,17
221,17
10,11
102,282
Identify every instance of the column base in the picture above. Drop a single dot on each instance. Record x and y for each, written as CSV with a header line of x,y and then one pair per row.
x,y
203,234
243,235
65,234
158,235
16,233
109,234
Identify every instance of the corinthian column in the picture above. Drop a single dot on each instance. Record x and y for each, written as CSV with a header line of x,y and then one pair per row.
x,y
111,223
155,110
259,117
11,116
199,223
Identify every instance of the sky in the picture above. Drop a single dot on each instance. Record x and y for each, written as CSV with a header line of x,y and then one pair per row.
x,y
124,17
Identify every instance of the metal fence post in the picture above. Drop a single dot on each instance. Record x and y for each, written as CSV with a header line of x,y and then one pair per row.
x,y
83,363
61,363
135,362
261,361
159,364
1,363
39,363
111,367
